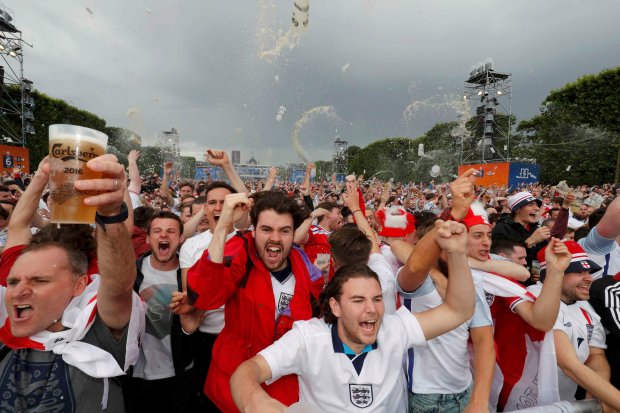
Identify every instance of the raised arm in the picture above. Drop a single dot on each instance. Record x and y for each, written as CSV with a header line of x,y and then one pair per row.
x,y
609,226
221,159
426,252
135,181
271,179
191,226
351,199
235,205
301,233
165,191
18,232
459,303
114,250
543,313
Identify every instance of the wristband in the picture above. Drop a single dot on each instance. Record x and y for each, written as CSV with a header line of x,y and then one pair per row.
x,y
357,210
120,217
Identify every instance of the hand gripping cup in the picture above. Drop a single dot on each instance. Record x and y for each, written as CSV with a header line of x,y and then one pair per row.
x,y
70,148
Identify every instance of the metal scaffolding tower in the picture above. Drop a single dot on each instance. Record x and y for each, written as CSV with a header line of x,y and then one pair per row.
x,y
490,128
339,157
168,142
16,102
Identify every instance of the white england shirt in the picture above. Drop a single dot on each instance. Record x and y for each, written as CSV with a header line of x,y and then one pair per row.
x,y
584,330
190,253
336,382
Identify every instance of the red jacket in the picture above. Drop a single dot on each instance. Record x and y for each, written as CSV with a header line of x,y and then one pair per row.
x,y
250,324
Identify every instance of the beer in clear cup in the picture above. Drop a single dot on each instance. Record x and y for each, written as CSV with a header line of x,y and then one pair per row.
x,y
70,148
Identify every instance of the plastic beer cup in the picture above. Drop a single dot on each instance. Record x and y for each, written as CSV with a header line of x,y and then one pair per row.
x,y
70,148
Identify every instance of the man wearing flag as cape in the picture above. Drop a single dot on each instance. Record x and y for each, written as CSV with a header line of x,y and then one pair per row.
x,y
66,334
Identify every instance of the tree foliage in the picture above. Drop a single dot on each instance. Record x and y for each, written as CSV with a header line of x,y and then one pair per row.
x,y
579,126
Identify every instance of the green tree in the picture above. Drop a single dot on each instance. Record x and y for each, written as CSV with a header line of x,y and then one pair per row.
x,y
579,125
49,111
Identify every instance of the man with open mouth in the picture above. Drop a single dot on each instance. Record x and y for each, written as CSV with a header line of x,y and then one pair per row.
x,y
163,375
522,224
67,334
264,281
351,359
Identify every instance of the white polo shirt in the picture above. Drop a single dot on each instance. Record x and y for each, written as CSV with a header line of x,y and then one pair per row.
x,y
191,251
336,382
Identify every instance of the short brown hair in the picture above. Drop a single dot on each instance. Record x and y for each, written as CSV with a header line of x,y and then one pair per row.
x,y
327,205
78,264
165,215
350,245
279,203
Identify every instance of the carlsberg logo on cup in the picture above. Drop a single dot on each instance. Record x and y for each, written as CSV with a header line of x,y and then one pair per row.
x,y
69,153
71,147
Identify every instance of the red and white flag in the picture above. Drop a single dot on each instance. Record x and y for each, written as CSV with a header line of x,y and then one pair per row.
x,y
526,372
78,318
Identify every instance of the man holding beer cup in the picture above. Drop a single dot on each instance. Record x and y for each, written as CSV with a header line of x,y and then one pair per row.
x,y
65,334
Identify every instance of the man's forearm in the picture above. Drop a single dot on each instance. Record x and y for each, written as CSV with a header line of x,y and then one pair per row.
x,y
420,261
135,182
245,385
484,363
191,226
165,191
460,295
235,180
600,365
216,247
593,384
609,226
546,307
118,272
503,267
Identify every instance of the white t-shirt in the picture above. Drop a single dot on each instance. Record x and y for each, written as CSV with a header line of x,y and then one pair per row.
x,y
155,360
584,330
583,327
609,263
391,258
378,264
283,293
336,382
442,366
190,253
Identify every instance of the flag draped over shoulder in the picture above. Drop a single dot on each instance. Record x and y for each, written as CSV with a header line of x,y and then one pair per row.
x,y
526,372
77,320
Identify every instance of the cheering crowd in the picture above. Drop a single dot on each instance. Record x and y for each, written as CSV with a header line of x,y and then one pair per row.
x,y
360,295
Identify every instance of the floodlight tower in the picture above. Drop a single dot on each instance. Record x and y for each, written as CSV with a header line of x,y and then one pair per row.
x,y
339,157
491,91
16,102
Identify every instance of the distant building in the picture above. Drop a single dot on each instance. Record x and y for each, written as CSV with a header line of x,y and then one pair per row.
x,y
236,157
251,169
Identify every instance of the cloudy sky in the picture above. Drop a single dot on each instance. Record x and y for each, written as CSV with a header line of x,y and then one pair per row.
x,y
213,69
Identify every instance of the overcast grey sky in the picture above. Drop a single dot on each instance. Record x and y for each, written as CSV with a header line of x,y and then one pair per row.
x,y
150,65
